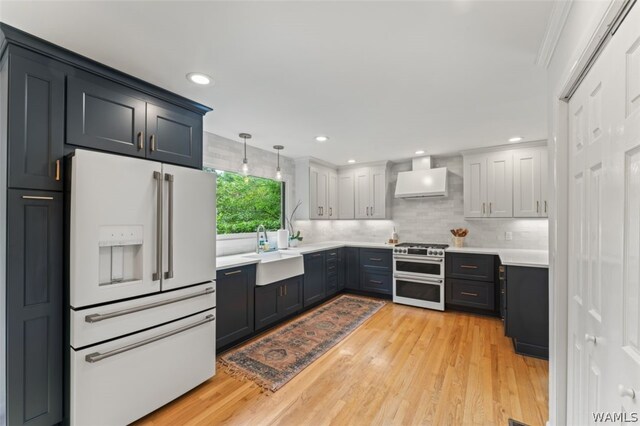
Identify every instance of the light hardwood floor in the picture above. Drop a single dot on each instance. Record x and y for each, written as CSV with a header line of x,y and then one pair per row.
x,y
403,366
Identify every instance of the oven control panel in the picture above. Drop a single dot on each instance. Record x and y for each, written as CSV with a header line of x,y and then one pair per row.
x,y
420,251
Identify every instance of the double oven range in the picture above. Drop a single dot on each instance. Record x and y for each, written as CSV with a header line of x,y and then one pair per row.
x,y
418,275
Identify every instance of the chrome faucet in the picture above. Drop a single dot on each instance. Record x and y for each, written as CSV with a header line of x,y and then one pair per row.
x,y
264,233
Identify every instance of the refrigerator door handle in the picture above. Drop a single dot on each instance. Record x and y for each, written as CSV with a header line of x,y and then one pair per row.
x,y
97,356
169,274
158,274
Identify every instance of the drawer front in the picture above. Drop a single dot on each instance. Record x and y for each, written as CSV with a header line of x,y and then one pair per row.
x,y
128,385
475,294
375,257
332,266
104,326
331,254
479,267
375,281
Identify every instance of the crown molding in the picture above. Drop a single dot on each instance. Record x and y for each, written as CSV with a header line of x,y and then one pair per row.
x,y
555,25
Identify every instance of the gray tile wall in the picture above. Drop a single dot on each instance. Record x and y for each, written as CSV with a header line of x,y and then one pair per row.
x,y
430,219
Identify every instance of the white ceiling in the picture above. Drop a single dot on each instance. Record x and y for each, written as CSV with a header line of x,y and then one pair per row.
x,y
381,79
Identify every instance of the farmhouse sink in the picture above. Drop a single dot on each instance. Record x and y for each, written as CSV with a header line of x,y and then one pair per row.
x,y
277,266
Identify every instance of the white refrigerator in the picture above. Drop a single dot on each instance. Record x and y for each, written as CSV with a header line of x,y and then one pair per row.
x,y
142,285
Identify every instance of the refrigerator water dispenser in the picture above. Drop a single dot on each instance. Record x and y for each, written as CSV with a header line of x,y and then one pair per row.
x,y
120,254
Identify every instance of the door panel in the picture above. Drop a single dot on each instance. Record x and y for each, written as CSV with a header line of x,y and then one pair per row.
x,y
378,193
174,136
104,116
36,130
235,319
362,194
190,235
34,308
346,196
291,299
526,184
544,182
332,210
500,185
475,186
322,193
266,303
113,231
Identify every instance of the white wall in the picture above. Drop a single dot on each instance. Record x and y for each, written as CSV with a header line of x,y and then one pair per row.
x,y
430,219
225,154
582,21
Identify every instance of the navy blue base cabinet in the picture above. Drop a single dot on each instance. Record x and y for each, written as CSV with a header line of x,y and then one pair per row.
x,y
277,301
235,304
314,278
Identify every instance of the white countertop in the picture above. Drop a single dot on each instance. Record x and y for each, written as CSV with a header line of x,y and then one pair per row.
x,y
511,257
236,260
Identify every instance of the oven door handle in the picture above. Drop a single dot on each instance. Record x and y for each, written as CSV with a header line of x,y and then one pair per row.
x,y
418,280
418,259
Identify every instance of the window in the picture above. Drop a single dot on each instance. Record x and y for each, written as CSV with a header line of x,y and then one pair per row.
x,y
244,202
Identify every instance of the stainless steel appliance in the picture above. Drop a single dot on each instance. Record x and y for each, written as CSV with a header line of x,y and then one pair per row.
x,y
418,275
142,291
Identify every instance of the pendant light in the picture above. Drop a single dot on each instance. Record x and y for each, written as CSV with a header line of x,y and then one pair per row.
x,y
245,162
278,148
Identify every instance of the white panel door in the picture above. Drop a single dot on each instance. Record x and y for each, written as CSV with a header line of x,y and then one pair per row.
x,y
475,186
362,193
500,184
621,244
377,208
346,195
526,183
113,238
332,196
189,234
604,280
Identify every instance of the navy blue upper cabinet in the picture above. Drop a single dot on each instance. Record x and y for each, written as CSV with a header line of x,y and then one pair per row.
x,y
36,130
174,135
104,115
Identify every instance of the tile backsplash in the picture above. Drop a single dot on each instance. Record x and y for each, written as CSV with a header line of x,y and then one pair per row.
x,y
430,219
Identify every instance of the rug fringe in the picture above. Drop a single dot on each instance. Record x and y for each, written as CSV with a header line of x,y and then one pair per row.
x,y
243,375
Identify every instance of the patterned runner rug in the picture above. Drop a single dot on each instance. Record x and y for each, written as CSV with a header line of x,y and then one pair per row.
x,y
275,358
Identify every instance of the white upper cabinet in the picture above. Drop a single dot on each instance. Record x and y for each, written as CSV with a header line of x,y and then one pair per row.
x,y
530,183
332,196
500,184
319,194
346,195
362,193
509,183
378,192
475,186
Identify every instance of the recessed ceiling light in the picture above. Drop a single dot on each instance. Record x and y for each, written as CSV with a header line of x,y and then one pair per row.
x,y
515,139
322,138
351,161
419,152
199,78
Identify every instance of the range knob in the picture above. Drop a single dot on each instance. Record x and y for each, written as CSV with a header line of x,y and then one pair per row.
x,y
430,252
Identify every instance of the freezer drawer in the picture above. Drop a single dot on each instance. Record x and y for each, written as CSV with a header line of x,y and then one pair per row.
x,y
95,325
120,381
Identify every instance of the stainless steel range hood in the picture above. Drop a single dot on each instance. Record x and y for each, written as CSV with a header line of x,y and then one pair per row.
x,y
422,181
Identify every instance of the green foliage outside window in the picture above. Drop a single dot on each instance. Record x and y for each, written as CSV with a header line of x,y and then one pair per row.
x,y
244,202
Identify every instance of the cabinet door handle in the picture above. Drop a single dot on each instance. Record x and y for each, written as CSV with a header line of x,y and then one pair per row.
x,y
469,294
153,143
483,208
140,141
233,272
330,211
280,291
57,170
285,289
490,207
367,210
375,259
36,197
375,281
545,206
371,210
537,206
169,274
317,255
469,266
